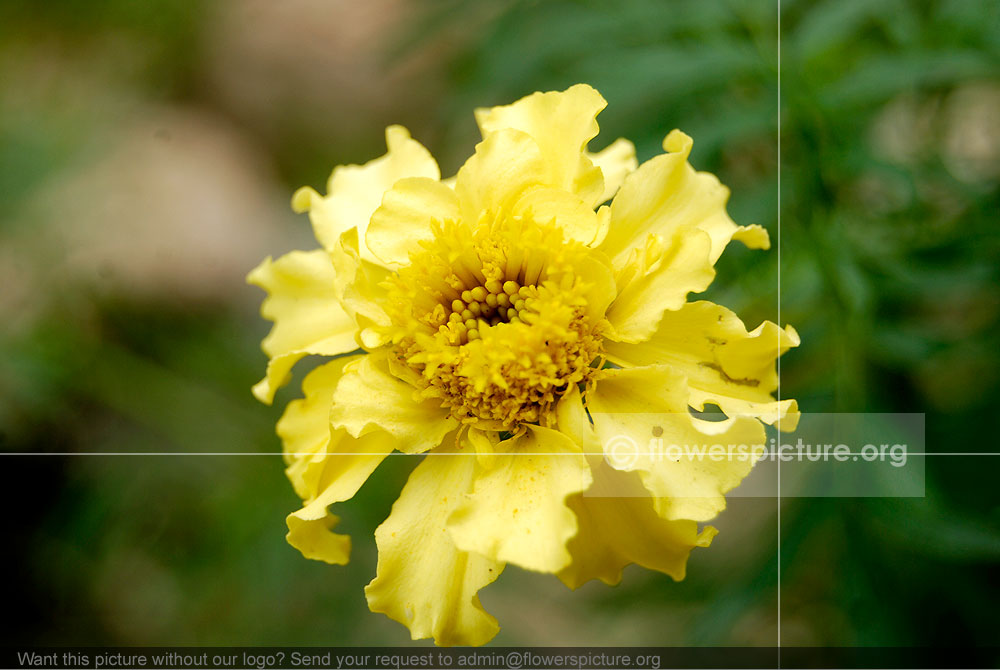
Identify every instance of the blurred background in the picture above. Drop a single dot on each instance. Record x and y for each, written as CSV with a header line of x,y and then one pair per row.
x,y
148,151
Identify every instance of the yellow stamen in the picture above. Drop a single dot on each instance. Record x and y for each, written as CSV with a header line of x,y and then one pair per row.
x,y
494,321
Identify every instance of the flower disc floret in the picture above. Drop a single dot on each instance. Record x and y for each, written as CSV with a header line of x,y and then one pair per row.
x,y
493,320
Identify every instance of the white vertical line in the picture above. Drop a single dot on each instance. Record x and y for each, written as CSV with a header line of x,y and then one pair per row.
x,y
778,244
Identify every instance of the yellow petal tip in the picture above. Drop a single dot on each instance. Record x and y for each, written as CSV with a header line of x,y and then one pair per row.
x,y
263,392
789,420
395,135
706,536
256,276
302,199
315,539
677,141
753,237
793,336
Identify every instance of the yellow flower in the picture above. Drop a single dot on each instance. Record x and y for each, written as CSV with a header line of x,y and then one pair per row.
x,y
502,323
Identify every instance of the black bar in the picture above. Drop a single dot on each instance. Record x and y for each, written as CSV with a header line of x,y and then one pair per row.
x,y
495,658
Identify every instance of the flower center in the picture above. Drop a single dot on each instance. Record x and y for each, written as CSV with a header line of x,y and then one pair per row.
x,y
494,323
489,305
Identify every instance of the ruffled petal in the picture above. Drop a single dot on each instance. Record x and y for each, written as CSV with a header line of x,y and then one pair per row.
x,y
517,510
573,421
508,173
423,581
657,278
618,526
324,466
406,218
308,317
724,364
617,520
484,443
304,427
369,397
666,193
359,285
505,165
313,537
578,221
600,289
336,475
616,162
355,191
641,421
562,123
333,475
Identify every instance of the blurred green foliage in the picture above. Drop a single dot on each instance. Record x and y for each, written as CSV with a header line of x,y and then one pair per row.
x,y
889,163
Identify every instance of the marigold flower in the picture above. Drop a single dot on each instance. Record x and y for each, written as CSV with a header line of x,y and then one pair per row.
x,y
495,321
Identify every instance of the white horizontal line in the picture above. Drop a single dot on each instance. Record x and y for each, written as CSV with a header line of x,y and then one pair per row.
x,y
430,453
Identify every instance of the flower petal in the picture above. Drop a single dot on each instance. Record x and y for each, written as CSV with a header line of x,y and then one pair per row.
x,y
517,510
313,537
423,581
359,285
505,165
304,427
355,191
724,364
658,278
640,416
324,467
665,193
601,289
406,215
618,526
369,397
577,220
308,318
336,478
562,123
573,421
616,162
617,518
334,475
509,173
